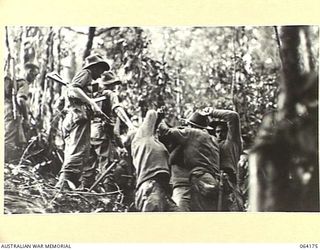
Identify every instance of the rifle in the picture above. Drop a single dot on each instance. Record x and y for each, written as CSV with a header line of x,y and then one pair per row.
x,y
57,78
221,179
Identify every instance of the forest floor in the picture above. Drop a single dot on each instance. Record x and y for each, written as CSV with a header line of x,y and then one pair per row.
x,y
27,191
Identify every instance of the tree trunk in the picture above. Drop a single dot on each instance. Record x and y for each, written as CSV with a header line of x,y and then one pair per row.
x,y
284,171
89,42
45,112
57,86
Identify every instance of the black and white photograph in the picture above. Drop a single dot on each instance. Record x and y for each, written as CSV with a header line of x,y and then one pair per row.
x,y
161,119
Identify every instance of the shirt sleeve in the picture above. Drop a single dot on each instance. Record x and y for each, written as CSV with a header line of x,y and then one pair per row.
x,y
233,122
81,79
175,134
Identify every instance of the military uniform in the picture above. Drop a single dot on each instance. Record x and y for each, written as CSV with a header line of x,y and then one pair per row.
x,y
102,132
150,159
76,129
181,188
200,153
103,139
15,138
230,151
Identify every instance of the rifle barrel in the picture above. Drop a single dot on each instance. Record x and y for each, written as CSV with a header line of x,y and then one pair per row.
x,y
220,195
55,77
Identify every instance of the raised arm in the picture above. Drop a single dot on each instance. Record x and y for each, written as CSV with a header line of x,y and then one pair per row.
x,y
174,134
233,122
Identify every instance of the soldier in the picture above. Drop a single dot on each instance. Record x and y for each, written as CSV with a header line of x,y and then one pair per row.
x,y
181,188
23,84
76,125
200,154
17,120
228,134
105,140
150,158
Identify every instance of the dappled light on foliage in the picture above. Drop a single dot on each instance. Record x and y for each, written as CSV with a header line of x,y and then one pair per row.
x,y
245,68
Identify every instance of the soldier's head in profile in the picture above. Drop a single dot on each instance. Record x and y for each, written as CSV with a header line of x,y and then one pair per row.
x,y
97,65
